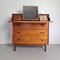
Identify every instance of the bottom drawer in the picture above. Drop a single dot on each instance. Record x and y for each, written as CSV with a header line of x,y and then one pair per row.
x,y
30,41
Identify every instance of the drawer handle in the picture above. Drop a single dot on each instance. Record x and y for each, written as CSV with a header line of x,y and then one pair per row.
x,y
18,32
42,32
41,39
42,24
18,39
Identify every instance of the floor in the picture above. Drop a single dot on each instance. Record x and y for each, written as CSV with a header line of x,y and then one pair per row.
x,y
29,53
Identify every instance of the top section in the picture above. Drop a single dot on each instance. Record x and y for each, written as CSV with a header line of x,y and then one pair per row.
x,y
41,17
30,13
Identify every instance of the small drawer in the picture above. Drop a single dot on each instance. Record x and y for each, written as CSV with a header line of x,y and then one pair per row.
x,y
16,17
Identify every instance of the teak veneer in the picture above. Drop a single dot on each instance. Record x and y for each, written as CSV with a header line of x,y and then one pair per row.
x,y
29,33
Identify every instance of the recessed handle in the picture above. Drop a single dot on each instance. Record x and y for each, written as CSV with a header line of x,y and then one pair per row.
x,y
42,39
42,24
18,32
18,39
42,32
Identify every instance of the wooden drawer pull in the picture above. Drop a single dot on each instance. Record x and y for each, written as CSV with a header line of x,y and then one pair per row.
x,y
41,39
18,32
42,32
42,24
18,39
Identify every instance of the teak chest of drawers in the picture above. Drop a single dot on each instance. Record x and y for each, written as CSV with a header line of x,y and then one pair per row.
x,y
30,33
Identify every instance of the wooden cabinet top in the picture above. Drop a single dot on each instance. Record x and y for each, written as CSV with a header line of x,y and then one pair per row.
x,y
30,21
17,18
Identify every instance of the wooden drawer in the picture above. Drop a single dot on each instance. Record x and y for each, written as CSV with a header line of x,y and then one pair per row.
x,y
16,17
30,26
31,33
41,32
29,40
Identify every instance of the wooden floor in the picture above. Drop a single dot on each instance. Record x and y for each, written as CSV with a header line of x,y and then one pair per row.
x,y
29,53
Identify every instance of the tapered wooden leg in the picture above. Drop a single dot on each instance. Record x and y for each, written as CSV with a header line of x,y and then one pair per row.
x,y
14,47
44,47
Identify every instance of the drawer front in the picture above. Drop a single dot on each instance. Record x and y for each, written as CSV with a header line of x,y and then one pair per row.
x,y
40,32
30,38
32,41
16,17
30,26
31,33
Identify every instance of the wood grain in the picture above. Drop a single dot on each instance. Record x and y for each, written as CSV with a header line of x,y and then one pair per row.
x,y
29,32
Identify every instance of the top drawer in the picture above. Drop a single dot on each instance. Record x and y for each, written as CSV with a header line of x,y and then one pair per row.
x,y
30,26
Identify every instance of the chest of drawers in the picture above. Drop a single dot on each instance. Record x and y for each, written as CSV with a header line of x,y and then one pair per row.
x,y
29,33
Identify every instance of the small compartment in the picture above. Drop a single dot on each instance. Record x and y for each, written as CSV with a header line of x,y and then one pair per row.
x,y
16,17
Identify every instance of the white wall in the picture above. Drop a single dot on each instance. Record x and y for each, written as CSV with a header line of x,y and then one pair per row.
x,y
7,7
